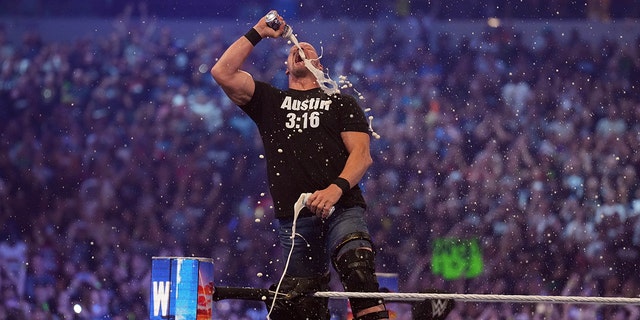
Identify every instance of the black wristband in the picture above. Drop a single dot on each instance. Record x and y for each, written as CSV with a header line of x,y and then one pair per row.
x,y
343,184
253,36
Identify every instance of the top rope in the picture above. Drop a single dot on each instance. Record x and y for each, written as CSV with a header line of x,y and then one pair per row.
x,y
392,296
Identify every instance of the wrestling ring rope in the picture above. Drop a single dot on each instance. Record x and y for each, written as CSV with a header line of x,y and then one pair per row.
x,y
261,294
185,287
390,296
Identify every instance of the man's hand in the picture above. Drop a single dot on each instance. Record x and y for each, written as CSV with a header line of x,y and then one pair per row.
x,y
322,201
265,31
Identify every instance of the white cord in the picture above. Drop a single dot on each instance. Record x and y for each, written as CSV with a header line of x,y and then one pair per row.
x,y
286,266
297,207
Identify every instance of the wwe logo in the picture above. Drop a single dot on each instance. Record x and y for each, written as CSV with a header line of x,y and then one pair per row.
x,y
438,307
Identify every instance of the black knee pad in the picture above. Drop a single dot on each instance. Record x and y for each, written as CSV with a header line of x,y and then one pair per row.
x,y
356,268
297,302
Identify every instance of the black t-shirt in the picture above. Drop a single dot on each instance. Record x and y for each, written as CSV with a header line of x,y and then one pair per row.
x,y
300,131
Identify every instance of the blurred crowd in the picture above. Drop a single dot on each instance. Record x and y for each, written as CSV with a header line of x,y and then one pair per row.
x,y
601,10
118,148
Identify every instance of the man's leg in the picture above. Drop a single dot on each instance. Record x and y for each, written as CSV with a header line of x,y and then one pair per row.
x,y
307,273
356,268
353,258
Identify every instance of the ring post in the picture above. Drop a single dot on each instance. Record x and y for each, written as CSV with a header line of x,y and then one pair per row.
x,y
181,288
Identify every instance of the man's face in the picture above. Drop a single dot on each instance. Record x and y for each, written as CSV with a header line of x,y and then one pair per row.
x,y
295,61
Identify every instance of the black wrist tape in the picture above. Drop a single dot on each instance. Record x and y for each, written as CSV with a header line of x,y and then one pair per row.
x,y
253,36
343,184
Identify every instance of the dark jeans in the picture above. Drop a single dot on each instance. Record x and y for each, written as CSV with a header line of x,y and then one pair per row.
x,y
317,238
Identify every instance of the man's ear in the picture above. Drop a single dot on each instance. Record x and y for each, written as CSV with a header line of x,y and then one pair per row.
x,y
286,72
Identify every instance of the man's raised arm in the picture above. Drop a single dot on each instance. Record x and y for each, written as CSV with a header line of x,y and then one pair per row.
x,y
236,83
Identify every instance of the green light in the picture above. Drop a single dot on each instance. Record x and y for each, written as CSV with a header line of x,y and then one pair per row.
x,y
456,258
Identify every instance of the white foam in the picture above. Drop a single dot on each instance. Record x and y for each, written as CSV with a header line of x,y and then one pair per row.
x,y
328,85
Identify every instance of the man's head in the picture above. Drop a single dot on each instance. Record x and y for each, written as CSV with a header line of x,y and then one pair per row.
x,y
295,62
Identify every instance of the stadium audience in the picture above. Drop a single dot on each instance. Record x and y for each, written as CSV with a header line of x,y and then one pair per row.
x,y
119,148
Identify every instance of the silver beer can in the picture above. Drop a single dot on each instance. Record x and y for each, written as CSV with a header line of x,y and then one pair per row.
x,y
272,20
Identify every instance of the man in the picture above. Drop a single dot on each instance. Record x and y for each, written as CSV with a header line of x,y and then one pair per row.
x,y
317,145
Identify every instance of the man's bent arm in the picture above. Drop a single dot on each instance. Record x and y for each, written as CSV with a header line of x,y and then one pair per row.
x,y
236,83
359,159
358,162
